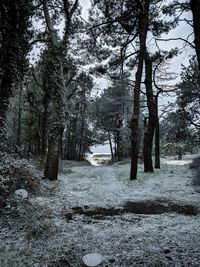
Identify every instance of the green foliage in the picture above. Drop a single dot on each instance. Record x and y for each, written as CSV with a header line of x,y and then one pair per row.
x,y
188,93
14,45
111,113
195,164
16,173
78,135
176,135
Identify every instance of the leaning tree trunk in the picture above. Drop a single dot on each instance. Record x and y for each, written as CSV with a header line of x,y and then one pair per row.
x,y
111,147
151,124
142,29
195,8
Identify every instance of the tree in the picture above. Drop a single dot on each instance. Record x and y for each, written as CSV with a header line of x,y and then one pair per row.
x,y
112,115
123,26
78,136
177,136
181,7
14,44
188,93
151,124
56,82
195,8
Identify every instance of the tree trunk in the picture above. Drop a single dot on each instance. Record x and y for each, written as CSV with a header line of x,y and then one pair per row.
x,y
180,156
18,141
142,29
56,86
151,124
111,148
45,103
195,8
119,140
135,121
51,166
157,137
5,93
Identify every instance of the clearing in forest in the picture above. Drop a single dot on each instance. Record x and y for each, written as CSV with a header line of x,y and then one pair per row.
x,y
153,221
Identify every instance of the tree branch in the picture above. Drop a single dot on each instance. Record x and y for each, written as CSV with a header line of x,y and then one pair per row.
x,y
50,27
175,39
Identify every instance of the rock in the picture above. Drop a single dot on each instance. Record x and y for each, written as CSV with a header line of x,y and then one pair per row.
x,y
168,257
69,216
92,259
22,193
167,250
112,260
77,209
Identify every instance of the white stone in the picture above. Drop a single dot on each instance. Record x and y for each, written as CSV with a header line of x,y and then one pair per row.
x,y
22,193
92,259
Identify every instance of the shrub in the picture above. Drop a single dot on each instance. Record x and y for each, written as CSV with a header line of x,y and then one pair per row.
x,y
195,164
16,173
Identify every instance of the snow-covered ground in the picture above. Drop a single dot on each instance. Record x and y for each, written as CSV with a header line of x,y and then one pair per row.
x,y
86,211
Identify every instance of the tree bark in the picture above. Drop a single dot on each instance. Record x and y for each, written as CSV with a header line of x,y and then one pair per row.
x,y
151,124
111,147
18,141
195,8
56,87
52,160
142,29
119,152
45,103
157,137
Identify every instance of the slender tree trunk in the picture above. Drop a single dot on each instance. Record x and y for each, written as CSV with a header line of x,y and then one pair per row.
x,y
157,137
18,141
5,93
142,29
119,141
195,8
135,121
45,102
111,147
149,131
81,139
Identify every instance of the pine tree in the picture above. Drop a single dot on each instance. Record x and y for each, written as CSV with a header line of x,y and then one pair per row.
x,y
14,44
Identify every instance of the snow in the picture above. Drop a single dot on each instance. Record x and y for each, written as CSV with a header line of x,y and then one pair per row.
x,y
53,228
92,259
22,193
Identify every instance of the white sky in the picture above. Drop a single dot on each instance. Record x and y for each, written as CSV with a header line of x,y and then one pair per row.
x,y
183,30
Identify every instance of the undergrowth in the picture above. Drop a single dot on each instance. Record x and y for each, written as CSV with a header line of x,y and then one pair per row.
x,y
16,173
195,164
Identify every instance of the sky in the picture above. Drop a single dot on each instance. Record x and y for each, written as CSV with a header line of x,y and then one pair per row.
x,y
183,30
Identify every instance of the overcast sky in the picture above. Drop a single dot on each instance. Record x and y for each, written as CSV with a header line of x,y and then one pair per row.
x,y
183,31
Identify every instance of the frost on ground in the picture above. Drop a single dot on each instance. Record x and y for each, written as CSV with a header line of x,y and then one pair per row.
x,y
154,221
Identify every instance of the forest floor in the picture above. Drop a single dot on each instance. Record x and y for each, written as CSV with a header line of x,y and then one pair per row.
x,y
154,221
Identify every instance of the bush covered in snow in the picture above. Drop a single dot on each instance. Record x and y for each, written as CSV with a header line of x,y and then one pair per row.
x,y
176,149
16,173
195,164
